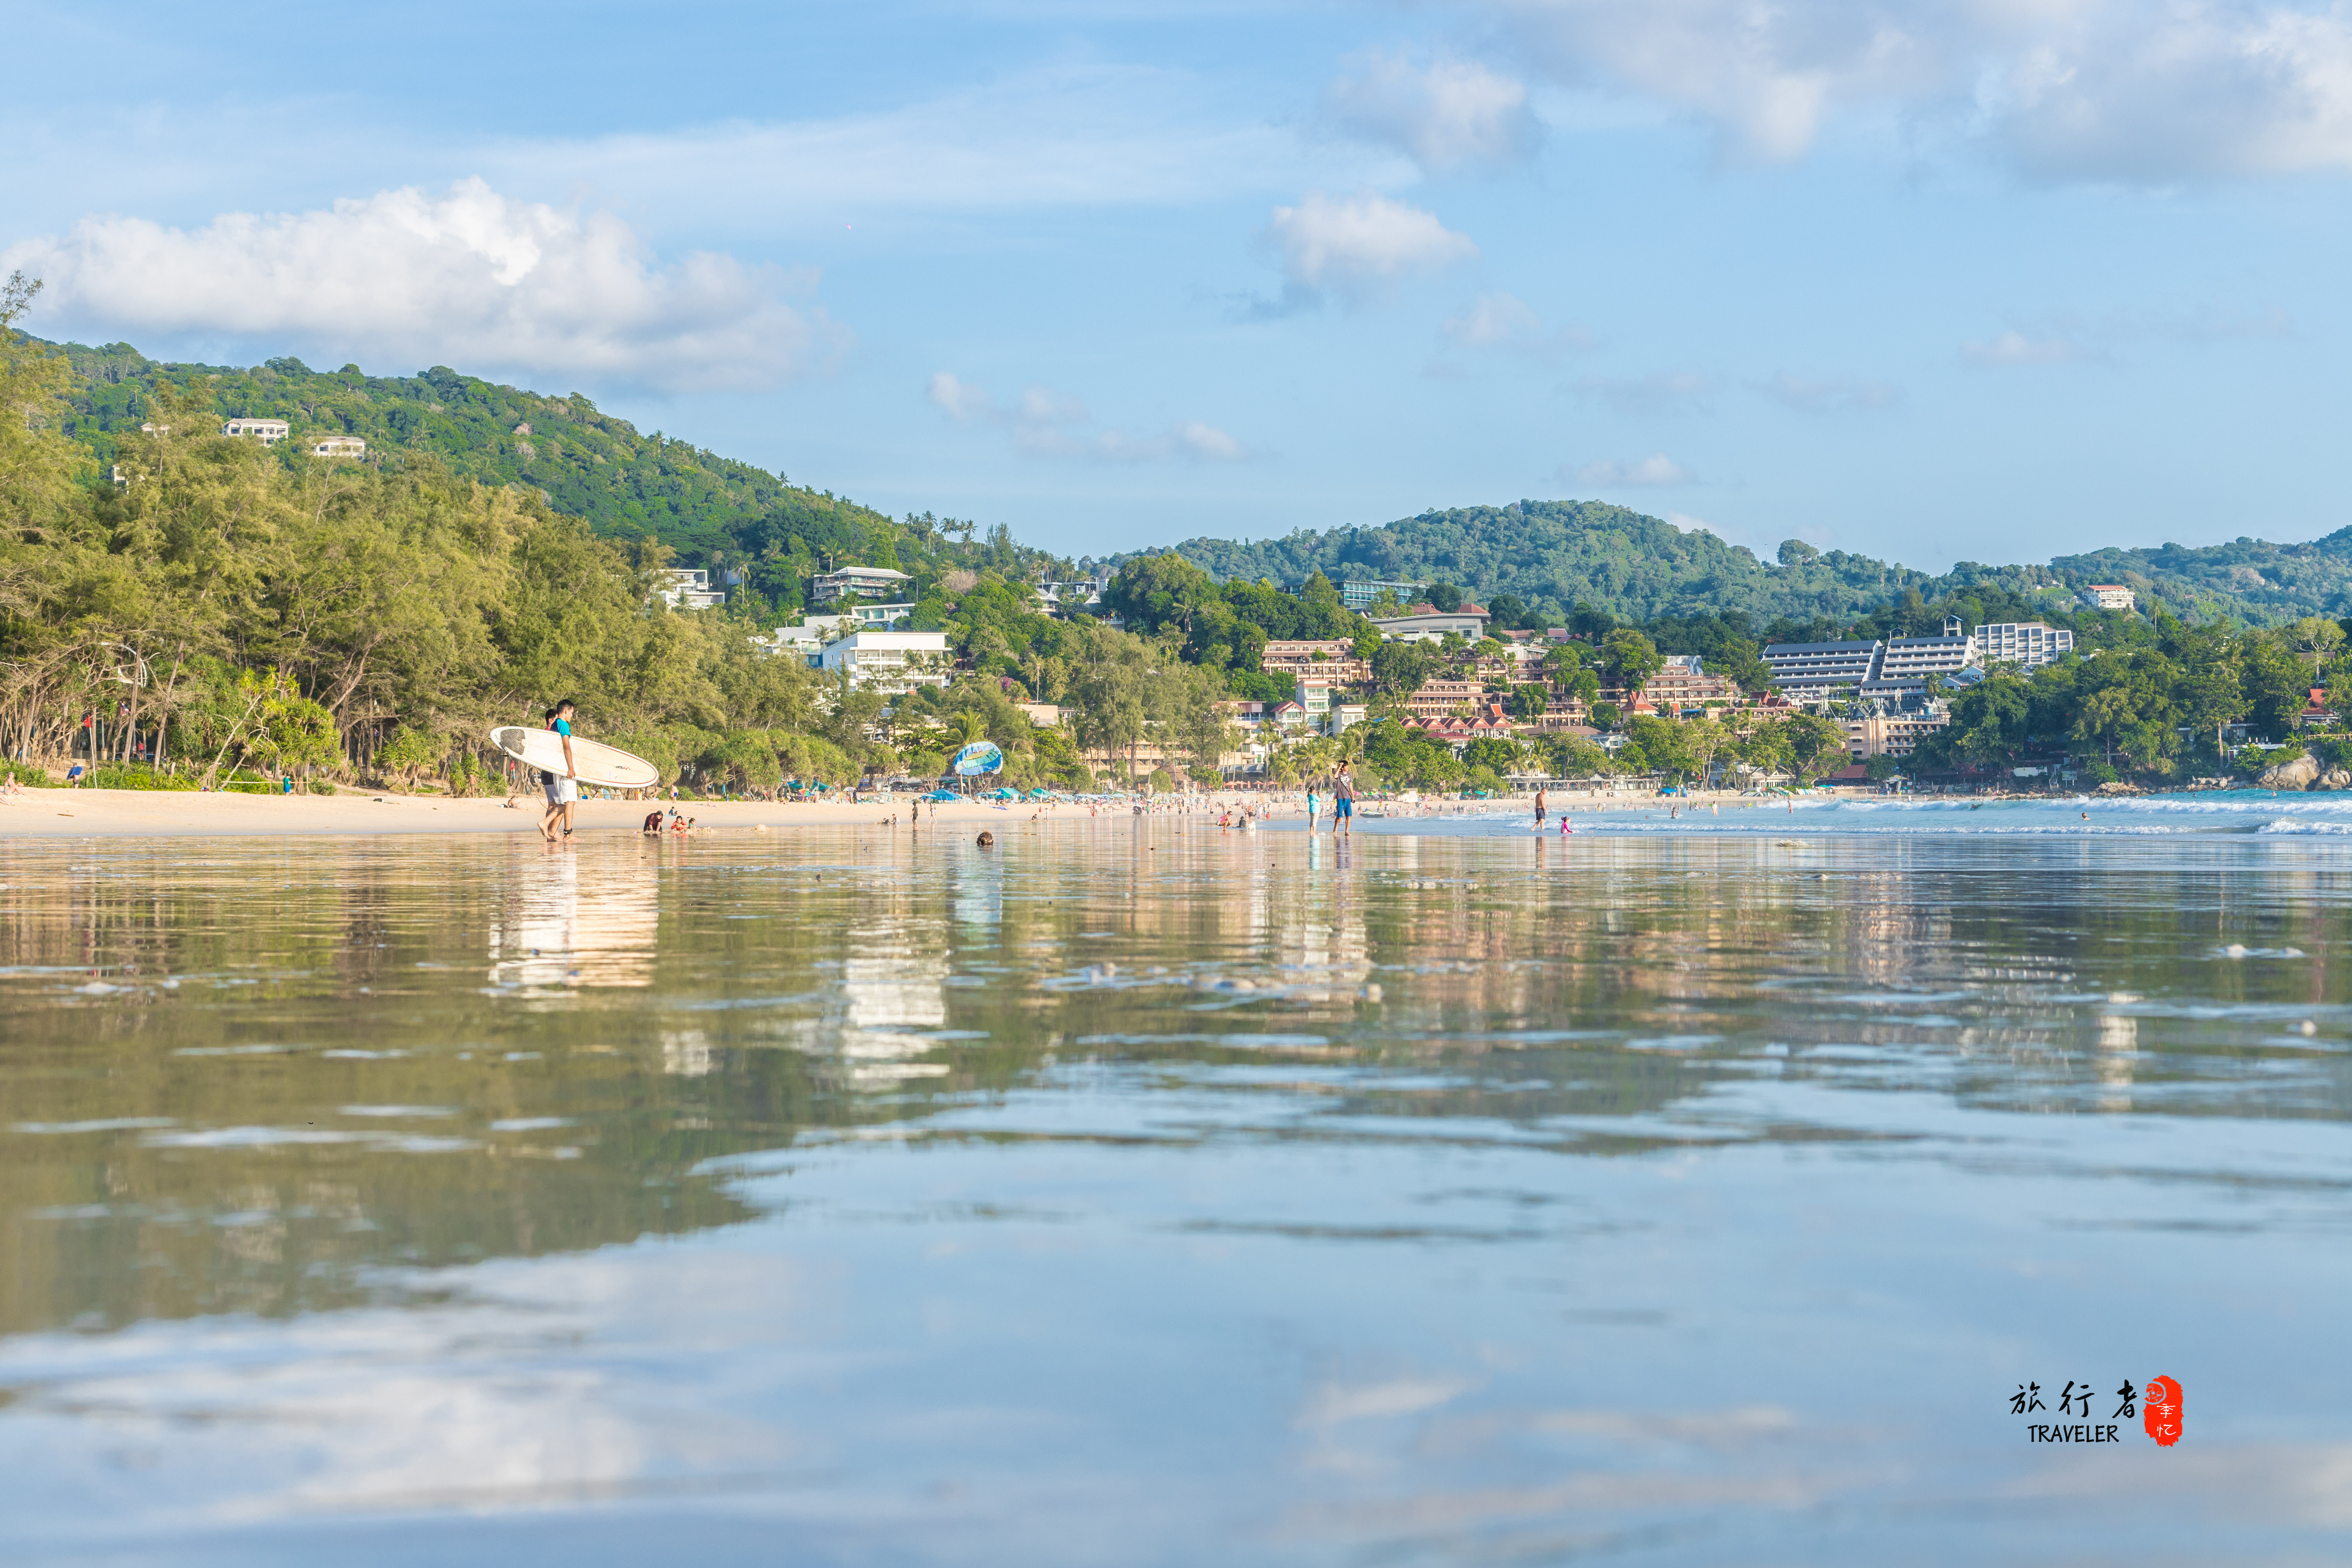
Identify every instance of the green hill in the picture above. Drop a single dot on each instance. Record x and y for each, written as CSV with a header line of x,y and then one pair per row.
x,y
711,511
1551,555
1554,555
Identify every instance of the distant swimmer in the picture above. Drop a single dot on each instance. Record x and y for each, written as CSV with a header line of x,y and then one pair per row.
x,y
986,840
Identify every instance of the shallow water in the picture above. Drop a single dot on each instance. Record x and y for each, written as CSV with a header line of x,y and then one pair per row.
x,y
1129,1195
2205,812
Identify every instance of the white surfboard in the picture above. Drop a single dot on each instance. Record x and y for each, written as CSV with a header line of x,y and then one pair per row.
x,y
593,761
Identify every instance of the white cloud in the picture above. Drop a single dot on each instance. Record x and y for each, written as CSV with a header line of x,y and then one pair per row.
x,y
1450,114
1649,396
1044,424
1506,323
2015,348
469,278
1831,396
1359,247
2131,89
1656,469
1089,134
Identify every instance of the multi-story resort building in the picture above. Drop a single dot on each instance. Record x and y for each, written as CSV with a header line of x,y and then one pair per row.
x,y
1426,623
1437,698
2026,643
1359,596
1911,666
889,661
688,588
1683,682
1332,658
1815,671
269,432
857,582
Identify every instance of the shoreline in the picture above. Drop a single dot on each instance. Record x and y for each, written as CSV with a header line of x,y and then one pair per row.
x,y
127,814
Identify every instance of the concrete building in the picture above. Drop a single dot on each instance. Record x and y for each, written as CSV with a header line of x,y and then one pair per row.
x,y
858,583
1359,596
1683,682
1067,598
889,661
1333,659
339,446
1812,671
1437,698
686,588
1894,732
2110,596
269,432
1426,623
2026,643
878,617
1911,666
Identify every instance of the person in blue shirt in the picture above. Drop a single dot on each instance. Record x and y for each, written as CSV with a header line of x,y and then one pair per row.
x,y
564,788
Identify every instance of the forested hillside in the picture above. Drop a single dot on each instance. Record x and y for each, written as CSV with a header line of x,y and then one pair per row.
x,y
2251,580
709,510
1554,555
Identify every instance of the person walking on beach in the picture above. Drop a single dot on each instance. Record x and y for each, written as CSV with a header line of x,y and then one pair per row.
x,y
562,789
1311,805
1343,802
1539,806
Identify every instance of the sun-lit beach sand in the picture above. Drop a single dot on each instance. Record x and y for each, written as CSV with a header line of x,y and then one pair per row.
x,y
65,813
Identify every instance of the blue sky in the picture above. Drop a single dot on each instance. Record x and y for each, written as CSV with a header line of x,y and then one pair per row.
x,y
1983,280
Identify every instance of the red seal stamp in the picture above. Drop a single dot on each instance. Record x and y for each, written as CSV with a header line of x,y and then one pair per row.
x,y
2161,1412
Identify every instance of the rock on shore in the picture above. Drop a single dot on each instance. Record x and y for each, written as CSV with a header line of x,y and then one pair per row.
x,y
2297,774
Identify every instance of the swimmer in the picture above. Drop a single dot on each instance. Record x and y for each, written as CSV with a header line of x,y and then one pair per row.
x,y
986,840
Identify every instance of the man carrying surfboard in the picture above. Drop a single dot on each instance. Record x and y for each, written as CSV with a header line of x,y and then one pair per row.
x,y
564,788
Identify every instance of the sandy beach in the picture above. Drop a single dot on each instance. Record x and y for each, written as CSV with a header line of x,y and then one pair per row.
x,y
105,813
100,813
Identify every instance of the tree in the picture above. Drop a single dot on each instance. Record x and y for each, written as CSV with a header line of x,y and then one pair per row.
x,y
1816,746
1529,702
37,459
1664,742
1445,598
1491,752
2317,639
1796,553
1400,669
1631,658
1155,591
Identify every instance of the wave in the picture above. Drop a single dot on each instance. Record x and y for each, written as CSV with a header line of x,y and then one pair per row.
x,y
2081,816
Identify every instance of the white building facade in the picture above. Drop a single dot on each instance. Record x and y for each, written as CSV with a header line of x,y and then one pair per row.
x,y
686,588
1815,671
2026,643
889,661
858,583
269,432
1427,624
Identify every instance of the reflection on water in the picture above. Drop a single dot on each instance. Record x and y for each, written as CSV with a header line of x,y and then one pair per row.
x,y
1136,1193
558,927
